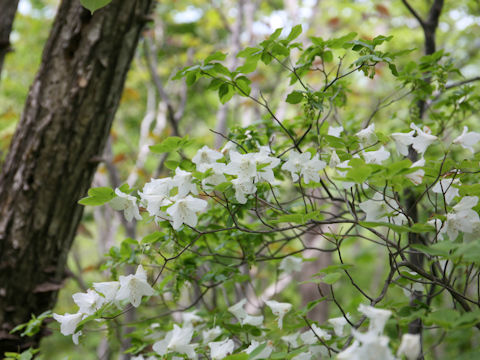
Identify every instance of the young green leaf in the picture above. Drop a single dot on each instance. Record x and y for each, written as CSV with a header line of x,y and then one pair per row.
x,y
98,196
94,5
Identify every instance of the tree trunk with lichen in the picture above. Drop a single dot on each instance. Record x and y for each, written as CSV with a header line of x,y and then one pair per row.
x,y
55,151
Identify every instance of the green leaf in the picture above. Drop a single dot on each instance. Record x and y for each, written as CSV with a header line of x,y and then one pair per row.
x,y
191,78
312,304
340,42
275,34
225,92
257,351
445,318
294,33
331,278
223,186
94,5
249,66
170,144
217,56
397,228
327,56
153,237
98,196
359,171
243,84
439,249
249,52
295,97
333,269
239,356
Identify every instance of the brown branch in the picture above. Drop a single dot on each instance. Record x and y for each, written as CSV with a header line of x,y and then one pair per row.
x,y
463,82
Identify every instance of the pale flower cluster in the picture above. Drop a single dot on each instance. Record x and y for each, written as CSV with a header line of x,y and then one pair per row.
x,y
130,287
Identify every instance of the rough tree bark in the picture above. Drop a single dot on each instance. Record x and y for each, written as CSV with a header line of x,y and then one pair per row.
x,y
8,8
55,151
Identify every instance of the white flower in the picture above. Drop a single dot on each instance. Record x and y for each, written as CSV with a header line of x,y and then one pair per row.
x,y
417,176
177,340
265,173
211,334
184,211
108,289
205,157
243,187
183,181
376,157
373,347
229,146
303,164
76,336
238,311
154,194
213,180
311,168
463,218
423,139
377,208
127,203
68,322
295,163
88,302
220,349
445,186
311,336
350,353
291,264
244,166
334,160
367,136
191,318
468,139
253,320
279,309
291,339
133,287
378,317
335,131
264,354
338,324
216,178
403,141
410,346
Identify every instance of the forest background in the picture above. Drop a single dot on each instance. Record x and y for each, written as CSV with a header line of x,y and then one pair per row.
x,y
154,107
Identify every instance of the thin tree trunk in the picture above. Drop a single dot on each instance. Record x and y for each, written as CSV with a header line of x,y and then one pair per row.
x,y
8,9
429,27
55,151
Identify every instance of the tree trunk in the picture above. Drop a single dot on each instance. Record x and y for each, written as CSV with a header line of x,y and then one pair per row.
x,y
55,151
8,8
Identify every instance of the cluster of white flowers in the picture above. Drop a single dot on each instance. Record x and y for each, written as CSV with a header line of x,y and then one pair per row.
x,y
173,198
373,344
177,199
382,209
303,164
130,287
462,219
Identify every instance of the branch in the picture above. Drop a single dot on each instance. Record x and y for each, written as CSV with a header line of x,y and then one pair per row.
x,y
414,13
152,67
460,83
